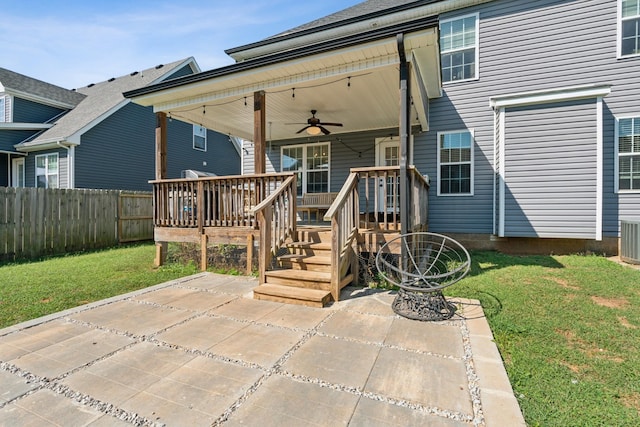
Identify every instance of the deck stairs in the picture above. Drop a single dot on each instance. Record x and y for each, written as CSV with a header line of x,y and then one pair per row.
x,y
303,274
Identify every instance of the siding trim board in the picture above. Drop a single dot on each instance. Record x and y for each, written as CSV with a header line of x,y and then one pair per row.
x,y
570,93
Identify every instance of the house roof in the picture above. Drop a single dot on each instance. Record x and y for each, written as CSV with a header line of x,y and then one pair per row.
x,y
37,90
344,65
99,101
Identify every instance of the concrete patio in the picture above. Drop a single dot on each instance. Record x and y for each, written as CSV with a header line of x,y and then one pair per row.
x,y
200,351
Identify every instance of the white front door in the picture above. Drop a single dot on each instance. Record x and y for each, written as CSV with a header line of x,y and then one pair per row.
x,y
17,173
388,154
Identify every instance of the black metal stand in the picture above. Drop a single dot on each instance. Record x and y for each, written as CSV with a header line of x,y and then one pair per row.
x,y
424,306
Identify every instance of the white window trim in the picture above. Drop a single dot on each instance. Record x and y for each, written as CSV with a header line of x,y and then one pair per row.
x,y
472,172
477,46
47,169
304,170
619,36
616,162
194,138
3,108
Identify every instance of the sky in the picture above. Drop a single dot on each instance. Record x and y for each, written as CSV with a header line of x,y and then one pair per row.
x,y
72,43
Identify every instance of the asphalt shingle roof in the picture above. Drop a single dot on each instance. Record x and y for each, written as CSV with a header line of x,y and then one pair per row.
x,y
99,99
357,11
17,82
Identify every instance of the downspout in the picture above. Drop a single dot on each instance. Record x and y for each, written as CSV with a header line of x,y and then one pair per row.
x,y
70,155
404,129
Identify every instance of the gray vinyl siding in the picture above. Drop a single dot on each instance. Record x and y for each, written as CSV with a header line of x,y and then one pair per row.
x,y
4,170
551,170
119,153
25,111
30,167
184,71
530,46
9,138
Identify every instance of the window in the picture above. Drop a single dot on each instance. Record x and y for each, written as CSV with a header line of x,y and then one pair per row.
x,y
2,110
455,163
311,162
459,48
47,171
199,138
628,140
629,29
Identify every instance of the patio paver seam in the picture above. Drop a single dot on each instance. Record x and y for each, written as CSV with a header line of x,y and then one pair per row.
x,y
358,391
276,368
472,376
389,346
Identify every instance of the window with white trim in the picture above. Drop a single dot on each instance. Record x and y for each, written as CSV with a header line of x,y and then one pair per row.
x,y
455,163
629,27
628,148
47,171
459,48
2,109
199,138
311,163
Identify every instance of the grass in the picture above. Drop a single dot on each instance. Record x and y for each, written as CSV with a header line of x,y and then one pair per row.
x,y
34,289
568,329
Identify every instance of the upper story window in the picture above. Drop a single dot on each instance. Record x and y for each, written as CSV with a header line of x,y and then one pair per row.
x,y
455,163
628,147
311,164
199,138
47,171
459,48
629,30
3,112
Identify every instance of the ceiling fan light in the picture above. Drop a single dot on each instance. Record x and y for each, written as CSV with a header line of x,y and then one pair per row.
x,y
314,130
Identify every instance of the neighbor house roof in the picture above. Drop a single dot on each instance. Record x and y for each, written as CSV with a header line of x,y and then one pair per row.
x,y
99,101
33,89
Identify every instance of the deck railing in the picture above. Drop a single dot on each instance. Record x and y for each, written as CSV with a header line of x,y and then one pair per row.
x,y
380,198
276,216
344,217
212,201
370,199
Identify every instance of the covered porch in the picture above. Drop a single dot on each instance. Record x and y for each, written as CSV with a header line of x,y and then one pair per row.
x,y
375,84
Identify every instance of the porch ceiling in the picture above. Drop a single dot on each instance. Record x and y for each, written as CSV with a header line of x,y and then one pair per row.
x,y
356,86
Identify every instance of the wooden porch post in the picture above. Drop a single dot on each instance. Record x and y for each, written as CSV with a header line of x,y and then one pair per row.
x,y
404,130
161,173
259,133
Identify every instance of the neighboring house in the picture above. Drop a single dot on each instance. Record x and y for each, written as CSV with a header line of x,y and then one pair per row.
x,y
93,137
525,115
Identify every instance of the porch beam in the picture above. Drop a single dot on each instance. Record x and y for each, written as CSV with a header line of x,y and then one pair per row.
x,y
161,173
259,132
161,145
404,129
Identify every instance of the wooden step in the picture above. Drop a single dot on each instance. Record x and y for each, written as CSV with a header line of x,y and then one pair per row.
x,y
300,278
291,295
305,262
310,245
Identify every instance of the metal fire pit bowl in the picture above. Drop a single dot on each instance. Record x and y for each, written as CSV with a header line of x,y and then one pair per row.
x,y
421,265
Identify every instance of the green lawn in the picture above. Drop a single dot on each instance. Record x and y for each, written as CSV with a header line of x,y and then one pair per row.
x,y
568,327
34,289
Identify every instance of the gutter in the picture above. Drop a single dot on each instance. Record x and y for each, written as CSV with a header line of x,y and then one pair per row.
x,y
325,46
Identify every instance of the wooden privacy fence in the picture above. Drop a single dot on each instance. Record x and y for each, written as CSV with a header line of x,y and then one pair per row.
x,y
38,221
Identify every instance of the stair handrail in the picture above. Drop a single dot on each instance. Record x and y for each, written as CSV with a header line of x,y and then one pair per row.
x,y
276,216
420,200
344,215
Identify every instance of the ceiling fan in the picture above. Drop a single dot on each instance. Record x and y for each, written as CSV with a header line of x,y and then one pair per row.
x,y
315,126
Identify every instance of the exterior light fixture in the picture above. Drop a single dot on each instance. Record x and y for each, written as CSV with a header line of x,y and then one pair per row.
x,y
313,130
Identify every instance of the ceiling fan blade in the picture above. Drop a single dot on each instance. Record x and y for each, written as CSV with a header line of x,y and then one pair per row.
x,y
331,124
325,131
303,129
